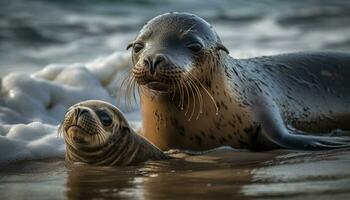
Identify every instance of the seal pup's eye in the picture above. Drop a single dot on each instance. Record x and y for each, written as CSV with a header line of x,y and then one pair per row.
x,y
195,47
137,47
105,119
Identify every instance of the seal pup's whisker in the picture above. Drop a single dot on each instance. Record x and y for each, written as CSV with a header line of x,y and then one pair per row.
x,y
60,130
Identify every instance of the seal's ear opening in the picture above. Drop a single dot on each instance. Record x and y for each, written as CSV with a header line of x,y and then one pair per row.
x,y
220,46
129,45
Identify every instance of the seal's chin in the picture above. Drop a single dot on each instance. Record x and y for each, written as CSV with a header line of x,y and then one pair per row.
x,y
78,135
157,86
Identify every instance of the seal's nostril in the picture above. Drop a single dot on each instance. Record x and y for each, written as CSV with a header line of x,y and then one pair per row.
x,y
82,111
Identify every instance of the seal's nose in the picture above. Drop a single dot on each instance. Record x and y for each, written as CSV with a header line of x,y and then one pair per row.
x,y
154,62
79,112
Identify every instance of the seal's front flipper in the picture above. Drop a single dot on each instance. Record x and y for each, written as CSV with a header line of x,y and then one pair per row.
x,y
275,134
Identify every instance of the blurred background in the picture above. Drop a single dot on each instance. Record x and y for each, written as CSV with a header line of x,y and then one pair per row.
x,y
34,33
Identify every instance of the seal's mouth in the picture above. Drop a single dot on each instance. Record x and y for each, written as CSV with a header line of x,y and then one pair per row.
x,y
77,134
157,86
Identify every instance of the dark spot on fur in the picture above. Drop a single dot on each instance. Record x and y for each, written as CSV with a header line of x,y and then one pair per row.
x,y
231,124
203,134
239,119
249,130
218,105
212,137
245,102
181,130
198,140
224,139
208,83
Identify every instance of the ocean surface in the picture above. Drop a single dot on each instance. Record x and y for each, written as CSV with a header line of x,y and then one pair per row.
x,y
35,33
54,54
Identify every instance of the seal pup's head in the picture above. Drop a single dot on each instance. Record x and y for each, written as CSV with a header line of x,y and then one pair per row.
x,y
171,48
96,132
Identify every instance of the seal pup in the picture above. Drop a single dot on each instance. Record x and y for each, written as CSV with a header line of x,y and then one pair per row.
x,y
96,132
194,96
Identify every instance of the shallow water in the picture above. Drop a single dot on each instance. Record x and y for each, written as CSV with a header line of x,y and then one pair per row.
x,y
224,174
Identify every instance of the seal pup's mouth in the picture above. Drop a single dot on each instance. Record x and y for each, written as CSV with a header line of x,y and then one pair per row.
x,y
77,134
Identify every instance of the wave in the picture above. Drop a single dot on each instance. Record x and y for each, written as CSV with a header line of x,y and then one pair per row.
x,y
32,105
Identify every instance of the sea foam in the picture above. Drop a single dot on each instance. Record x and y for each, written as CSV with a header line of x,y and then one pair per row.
x,y
33,105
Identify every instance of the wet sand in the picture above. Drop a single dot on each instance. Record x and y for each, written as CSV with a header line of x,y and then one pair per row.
x,y
223,174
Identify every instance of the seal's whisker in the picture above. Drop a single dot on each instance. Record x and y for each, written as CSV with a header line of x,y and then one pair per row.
x,y
205,89
179,87
131,92
102,137
60,130
200,98
128,91
187,93
125,91
194,100
128,87
191,94
134,89
128,100
123,76
182,94
124,81
195,94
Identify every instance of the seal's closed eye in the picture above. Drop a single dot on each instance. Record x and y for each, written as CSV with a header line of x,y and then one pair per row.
x,y
137,47
195,47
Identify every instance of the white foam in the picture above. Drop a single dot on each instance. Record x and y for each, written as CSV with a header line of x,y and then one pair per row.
x,y
32,105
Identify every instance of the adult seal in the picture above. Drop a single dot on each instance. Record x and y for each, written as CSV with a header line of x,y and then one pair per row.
x,y
193,95
96,132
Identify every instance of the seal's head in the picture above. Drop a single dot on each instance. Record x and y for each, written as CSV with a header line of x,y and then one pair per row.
x,y
172,47
91,124
96,132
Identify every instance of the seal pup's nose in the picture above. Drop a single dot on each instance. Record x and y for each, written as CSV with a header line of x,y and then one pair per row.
x,y
79,112
155,62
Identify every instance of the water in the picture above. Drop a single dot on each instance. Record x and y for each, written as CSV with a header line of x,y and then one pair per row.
x,y
88,40
219,175
40,32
